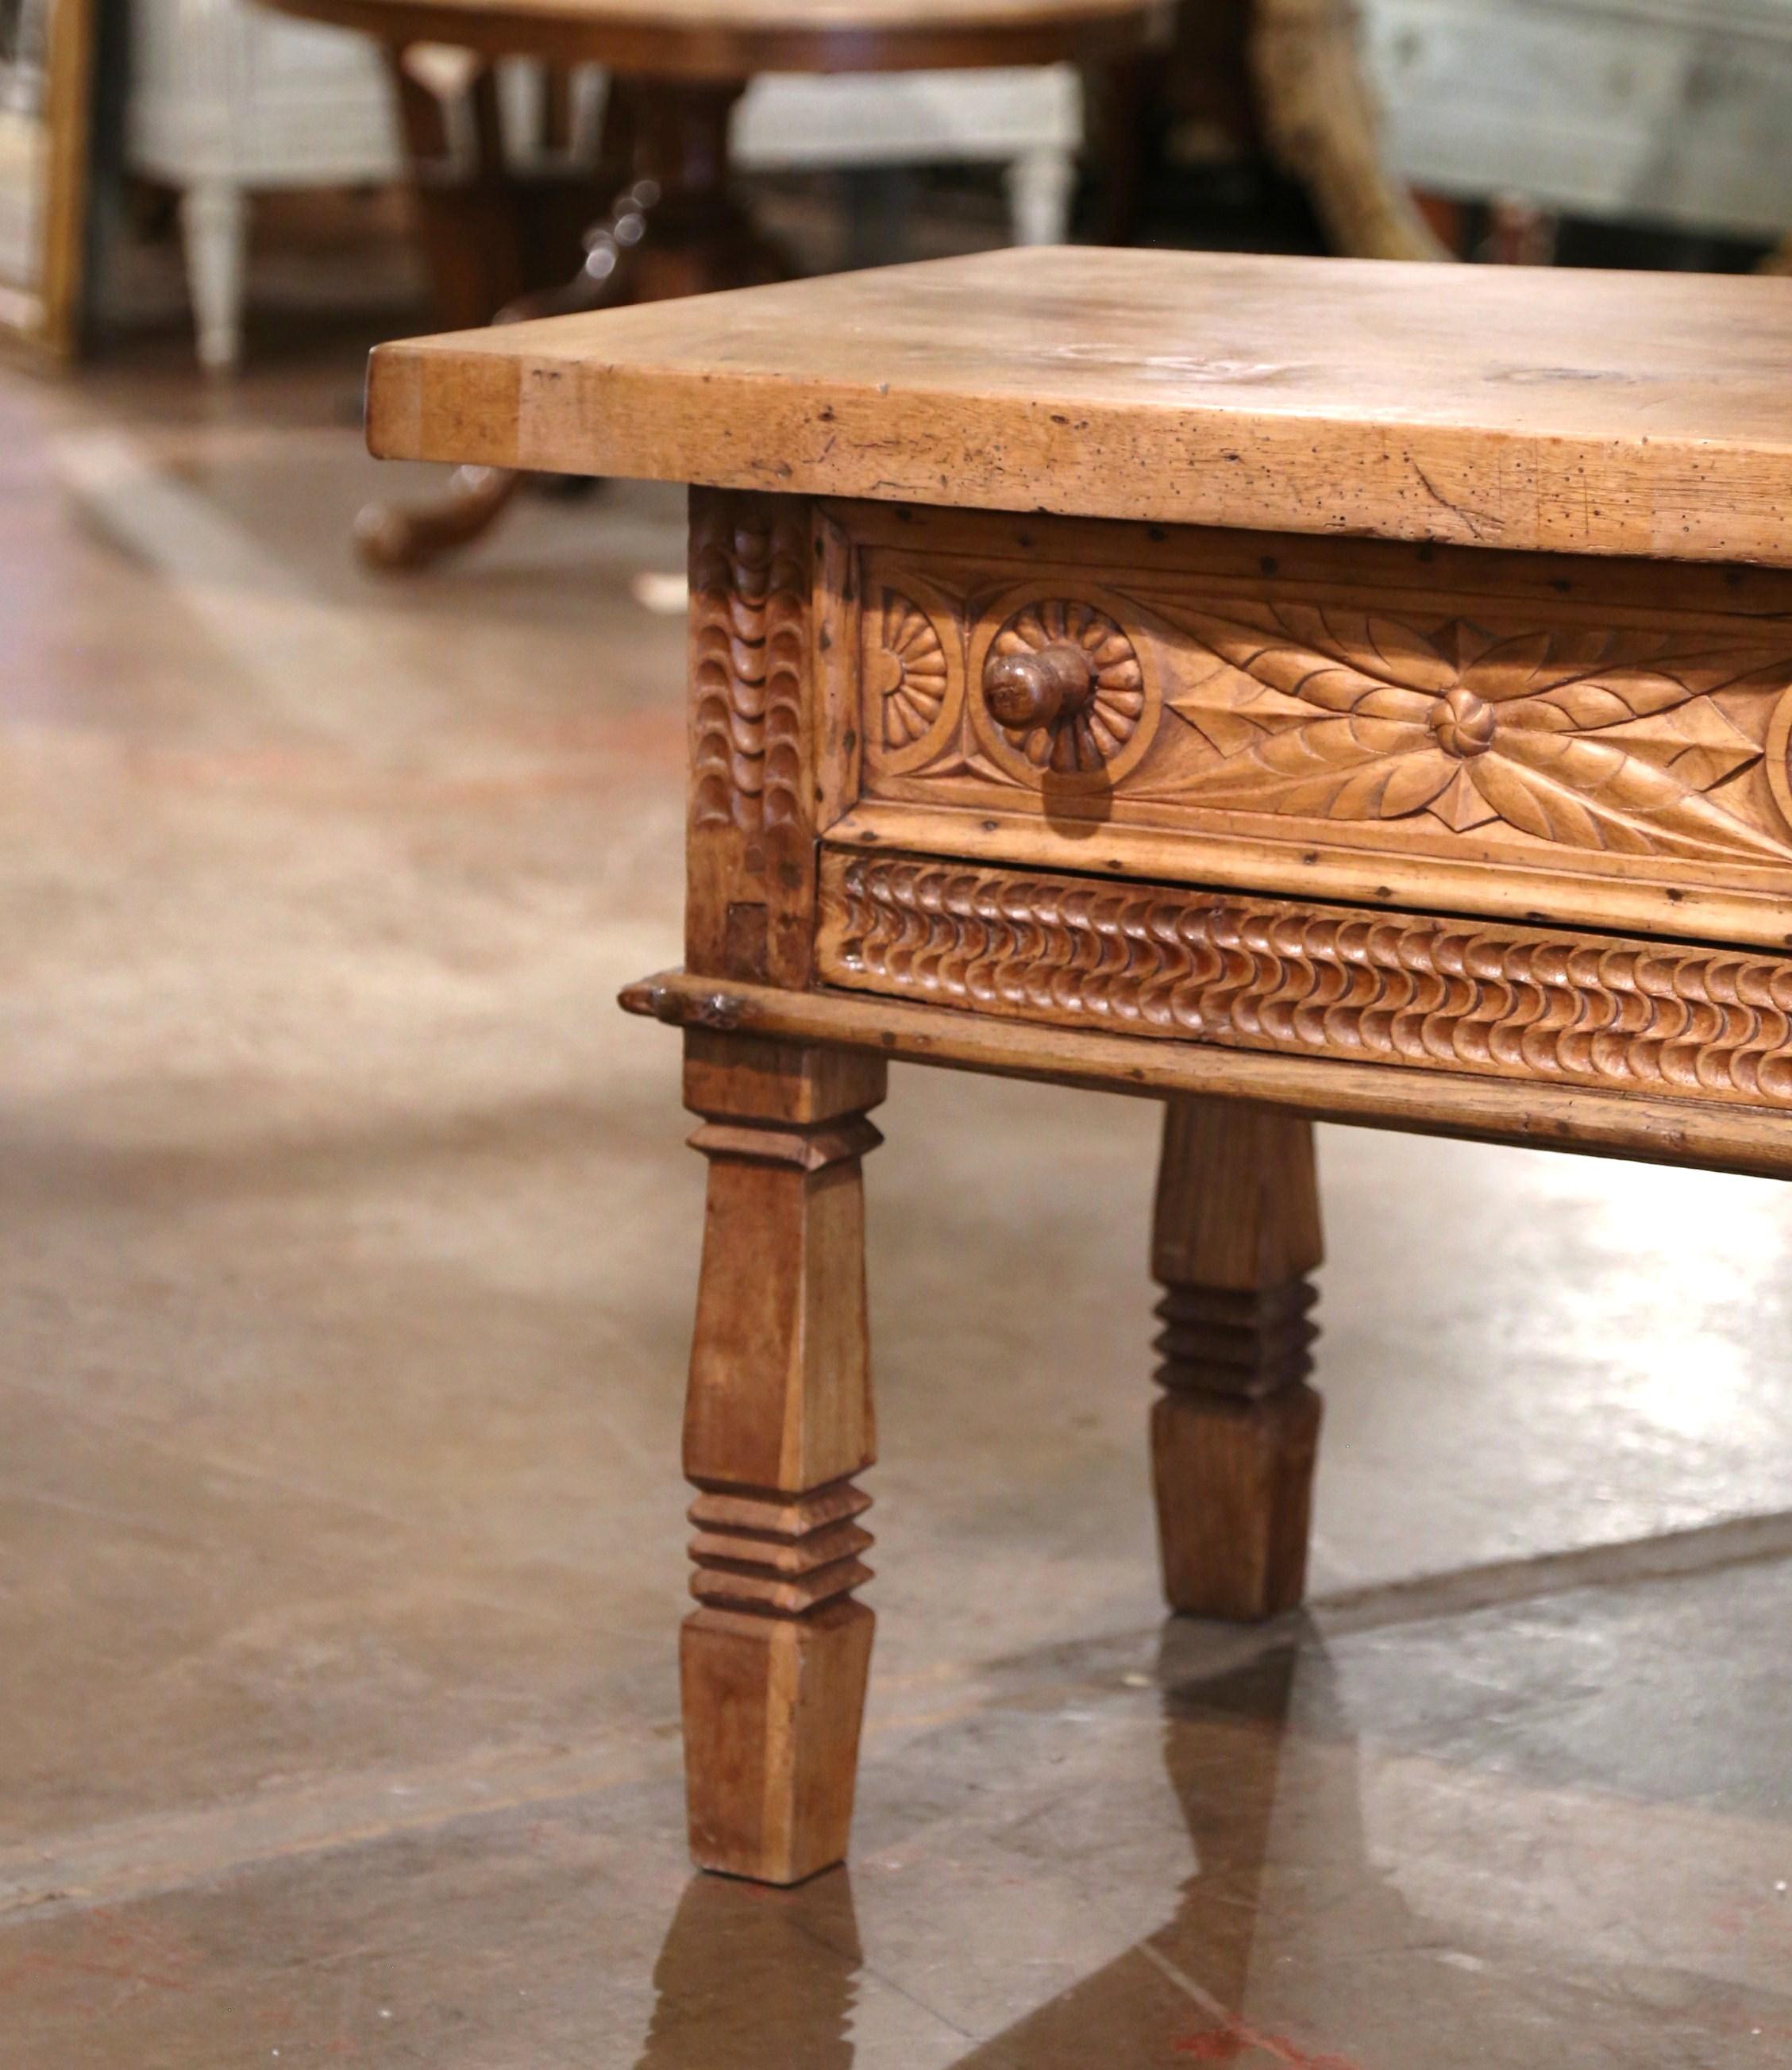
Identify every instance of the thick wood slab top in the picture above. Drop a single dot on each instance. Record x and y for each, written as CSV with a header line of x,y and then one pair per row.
x,y
733,38
1577,412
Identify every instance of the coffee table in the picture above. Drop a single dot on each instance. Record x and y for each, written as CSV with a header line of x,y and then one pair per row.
x,y
677,68
1289,689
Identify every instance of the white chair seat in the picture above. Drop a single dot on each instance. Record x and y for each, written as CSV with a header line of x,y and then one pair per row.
x,y
1027,118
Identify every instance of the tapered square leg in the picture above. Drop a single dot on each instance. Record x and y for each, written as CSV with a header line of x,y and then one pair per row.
x,y
778,1420
1235,1437
772,1708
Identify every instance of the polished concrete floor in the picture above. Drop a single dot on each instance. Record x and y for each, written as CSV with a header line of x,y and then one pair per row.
x,y
350,1245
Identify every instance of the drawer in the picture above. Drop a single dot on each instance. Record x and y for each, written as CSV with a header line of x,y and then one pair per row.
x,y
1540,738
1423,992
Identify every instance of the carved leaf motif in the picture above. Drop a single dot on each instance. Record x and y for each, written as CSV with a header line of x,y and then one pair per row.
x,y
1643,671
1460,806
1586,705
1299,653
1591,794
1595,740
1340,768
1698,741
1228,707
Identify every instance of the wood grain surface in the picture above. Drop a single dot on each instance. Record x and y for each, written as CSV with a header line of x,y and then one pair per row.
x,y
1582,412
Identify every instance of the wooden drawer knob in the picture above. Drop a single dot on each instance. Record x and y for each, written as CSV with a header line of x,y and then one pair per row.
x,y
1026,690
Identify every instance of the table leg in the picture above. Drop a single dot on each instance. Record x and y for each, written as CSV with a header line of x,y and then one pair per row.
x,y
703,238
465,216
396,536
1235,1435
778,1420
676,229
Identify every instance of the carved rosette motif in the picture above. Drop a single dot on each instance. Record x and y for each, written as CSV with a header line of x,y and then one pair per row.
x,y
913,670
750,585
1249,973
1098,740
912,675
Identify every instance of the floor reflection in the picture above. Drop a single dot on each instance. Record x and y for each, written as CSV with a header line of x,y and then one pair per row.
x,y
1290,1939
1282,1932
749,1978
754,1978
1178,1995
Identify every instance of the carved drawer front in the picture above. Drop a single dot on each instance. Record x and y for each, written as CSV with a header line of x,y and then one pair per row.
x,y
1525,735
1303,978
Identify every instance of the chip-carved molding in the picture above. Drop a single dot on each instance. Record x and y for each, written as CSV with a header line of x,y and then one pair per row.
x,y
749,603
750,849
1314,980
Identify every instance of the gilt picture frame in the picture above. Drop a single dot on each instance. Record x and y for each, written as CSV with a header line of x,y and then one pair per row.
x,y
47,74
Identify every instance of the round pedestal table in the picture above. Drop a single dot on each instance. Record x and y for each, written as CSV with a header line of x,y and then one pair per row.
x,y
676,225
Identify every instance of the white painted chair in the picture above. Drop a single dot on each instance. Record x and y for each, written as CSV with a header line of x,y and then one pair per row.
x,y
228,99
1026,119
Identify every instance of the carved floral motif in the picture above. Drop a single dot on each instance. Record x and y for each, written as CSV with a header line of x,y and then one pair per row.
x,y
911,673
750,587
1262,974
1615,740
1083,741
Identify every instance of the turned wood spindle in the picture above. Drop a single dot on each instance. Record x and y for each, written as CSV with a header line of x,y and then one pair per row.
x,y
1235,1433
778,1422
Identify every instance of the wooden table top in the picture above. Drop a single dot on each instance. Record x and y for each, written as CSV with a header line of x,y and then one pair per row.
x,y
735,39
1578,412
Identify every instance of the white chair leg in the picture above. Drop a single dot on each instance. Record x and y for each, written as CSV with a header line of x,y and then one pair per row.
x,y
214,229
1039,184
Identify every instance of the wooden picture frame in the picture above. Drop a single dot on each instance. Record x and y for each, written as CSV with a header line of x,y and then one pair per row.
x,y
41,309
